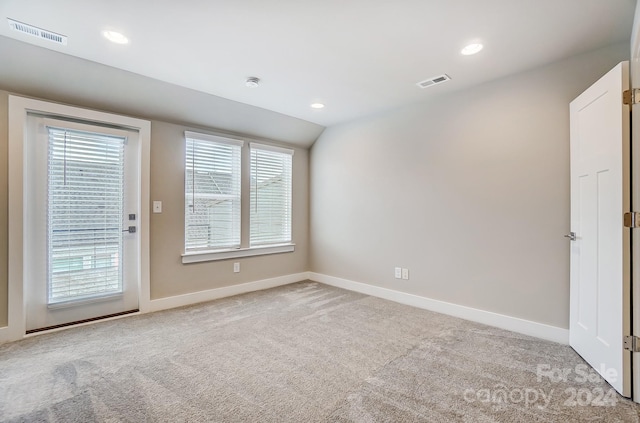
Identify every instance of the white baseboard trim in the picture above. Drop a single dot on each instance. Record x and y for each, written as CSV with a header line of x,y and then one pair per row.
x,y
226,291
6,335
514,324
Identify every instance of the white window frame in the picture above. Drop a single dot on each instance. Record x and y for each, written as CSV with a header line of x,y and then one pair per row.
x,y
245,250
288,227
236,172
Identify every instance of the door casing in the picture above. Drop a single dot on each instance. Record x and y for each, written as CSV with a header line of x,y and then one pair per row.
x,y
634,72
19,108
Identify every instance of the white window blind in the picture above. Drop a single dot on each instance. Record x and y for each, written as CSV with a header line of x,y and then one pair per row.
x,y
270,215
212,192
84,215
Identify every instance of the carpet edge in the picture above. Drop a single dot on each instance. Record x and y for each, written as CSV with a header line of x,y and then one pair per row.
x,y
225,291
502,321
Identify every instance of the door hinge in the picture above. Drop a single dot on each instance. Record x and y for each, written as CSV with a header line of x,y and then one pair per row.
x,y
632,220
631,97
631,343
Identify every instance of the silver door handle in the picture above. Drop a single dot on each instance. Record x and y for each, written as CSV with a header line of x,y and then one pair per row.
x,y
131,230
572,236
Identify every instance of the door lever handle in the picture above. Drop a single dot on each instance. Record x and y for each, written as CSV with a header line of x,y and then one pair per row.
x,y
131,230
572,236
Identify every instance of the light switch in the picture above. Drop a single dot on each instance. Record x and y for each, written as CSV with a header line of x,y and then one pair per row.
x,y
157,206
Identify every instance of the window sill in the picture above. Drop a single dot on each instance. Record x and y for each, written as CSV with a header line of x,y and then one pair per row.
x,y
197,257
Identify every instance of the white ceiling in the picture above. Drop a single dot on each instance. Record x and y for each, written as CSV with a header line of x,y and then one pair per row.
x,y
358,57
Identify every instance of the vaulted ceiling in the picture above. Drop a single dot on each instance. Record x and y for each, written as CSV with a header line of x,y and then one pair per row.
x,y
358,57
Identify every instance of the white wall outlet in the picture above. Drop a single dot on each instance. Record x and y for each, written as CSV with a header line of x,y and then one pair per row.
x,y
405,274
236,267
157,206
398,273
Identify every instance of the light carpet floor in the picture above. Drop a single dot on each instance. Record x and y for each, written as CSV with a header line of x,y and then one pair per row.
x,y
305,352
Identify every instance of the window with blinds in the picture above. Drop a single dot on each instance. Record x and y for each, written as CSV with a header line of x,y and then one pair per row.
x,y
84,216
212,192
270,203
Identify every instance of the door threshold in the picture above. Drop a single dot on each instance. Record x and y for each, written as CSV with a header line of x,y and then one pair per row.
x,y
79,322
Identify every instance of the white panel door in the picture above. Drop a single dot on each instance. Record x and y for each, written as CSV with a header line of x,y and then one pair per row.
x,y
600,190
81,196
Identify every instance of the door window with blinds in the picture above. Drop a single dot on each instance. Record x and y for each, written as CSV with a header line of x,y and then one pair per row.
x,y
270,197
85,205
212,192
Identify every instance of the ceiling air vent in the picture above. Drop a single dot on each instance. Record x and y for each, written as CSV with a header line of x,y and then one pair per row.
x,y
433,81
34,31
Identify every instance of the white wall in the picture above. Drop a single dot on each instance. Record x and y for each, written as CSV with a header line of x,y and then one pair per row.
x,y
469,191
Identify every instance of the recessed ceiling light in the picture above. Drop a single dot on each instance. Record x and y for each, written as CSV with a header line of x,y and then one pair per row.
x,y
252,82
115,37
317,106
471,49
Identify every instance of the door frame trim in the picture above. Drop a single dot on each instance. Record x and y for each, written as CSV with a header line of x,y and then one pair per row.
x,y
19,107
634,76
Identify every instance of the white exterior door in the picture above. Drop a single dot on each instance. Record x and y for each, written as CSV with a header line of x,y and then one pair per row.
x,y
600,254
81,197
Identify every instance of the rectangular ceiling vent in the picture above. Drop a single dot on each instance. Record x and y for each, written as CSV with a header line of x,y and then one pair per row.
x,y
433,81
34,31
